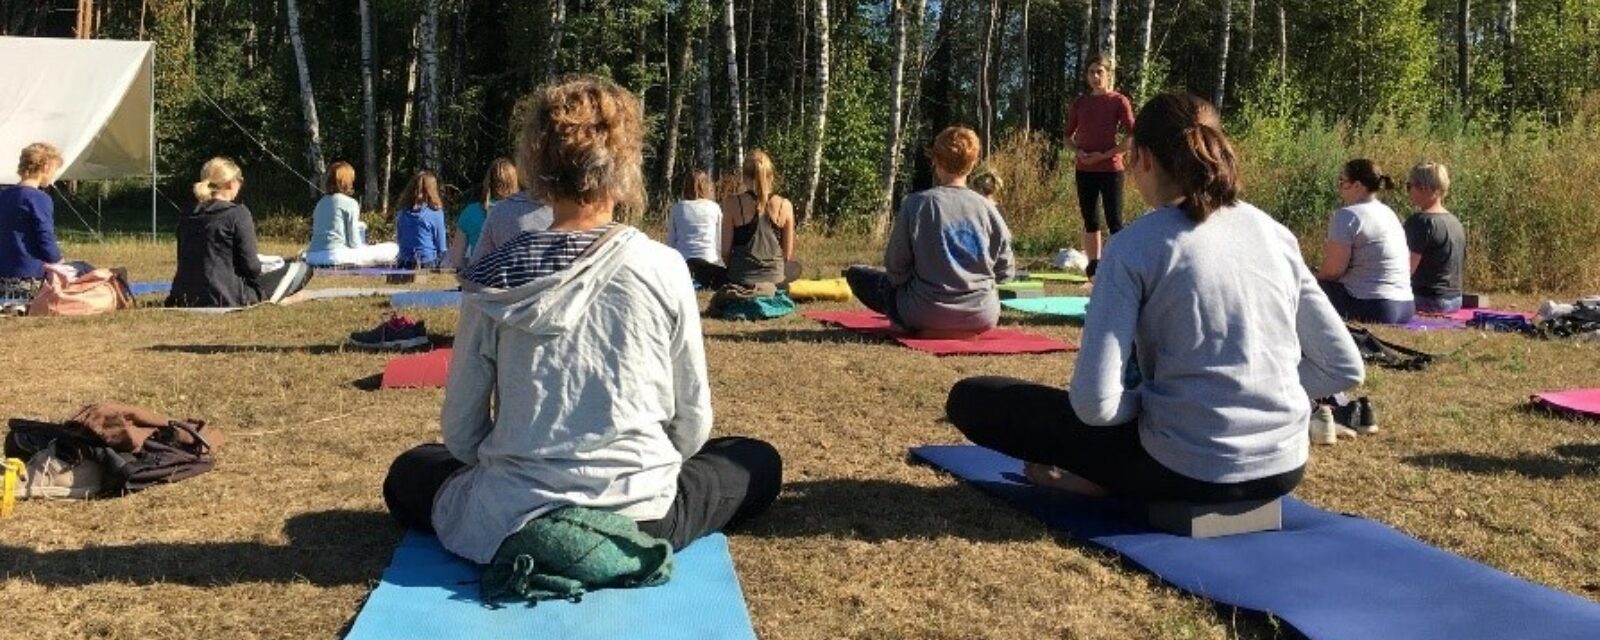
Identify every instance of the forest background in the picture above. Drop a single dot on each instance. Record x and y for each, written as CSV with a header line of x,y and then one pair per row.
x,y
844,94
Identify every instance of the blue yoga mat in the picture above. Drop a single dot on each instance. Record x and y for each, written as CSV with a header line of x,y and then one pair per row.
x,y
144,288
1330,576
425,299
1068,306
428,593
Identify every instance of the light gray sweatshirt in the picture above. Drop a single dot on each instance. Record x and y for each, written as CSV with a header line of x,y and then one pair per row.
x,y
585,387
1234,338
947,248
509,218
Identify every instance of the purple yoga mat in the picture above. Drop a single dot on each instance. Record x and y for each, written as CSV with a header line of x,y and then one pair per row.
x,y
1581,402
1433,323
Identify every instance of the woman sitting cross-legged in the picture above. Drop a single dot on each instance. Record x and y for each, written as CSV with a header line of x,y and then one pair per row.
x,y
1366,265
758,233
338,237
579,376
1206,340
217,261
948,248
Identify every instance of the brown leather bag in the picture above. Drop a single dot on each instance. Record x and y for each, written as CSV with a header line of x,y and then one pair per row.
x,y
97,291
126,428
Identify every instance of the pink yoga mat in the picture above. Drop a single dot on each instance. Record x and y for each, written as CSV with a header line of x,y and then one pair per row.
x,y
1583,402
422,371
994,341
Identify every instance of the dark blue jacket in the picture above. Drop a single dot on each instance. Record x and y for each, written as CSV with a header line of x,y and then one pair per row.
x,y
27,232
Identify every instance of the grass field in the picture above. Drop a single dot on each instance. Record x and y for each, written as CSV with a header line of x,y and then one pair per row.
x,y
286,538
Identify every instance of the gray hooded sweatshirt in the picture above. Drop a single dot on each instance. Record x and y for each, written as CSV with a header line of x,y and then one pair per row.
x,y
585,387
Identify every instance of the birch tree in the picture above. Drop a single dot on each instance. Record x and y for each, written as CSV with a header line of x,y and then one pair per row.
x,y
736,113
429,156
682,76
1027,71
557,25
369,120
819,131
1107,44
1224,34
985,85
308,101
1146,26
704,150
891,151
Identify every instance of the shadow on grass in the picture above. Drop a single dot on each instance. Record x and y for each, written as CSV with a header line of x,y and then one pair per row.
x,y
227,349
1564,461
326,548
800,336
373,382
879,510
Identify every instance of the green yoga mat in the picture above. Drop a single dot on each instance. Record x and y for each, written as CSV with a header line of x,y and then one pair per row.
x,y
1056,276
1069,306
1020,285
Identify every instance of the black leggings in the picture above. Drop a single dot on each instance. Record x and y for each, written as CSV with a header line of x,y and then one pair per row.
x,y
713,276
727,482
1036,423
1106,187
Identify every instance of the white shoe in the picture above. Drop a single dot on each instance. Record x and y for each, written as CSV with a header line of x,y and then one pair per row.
x,y
1323,428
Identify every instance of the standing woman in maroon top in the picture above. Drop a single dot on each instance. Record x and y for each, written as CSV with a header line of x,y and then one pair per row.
x,y
1093,125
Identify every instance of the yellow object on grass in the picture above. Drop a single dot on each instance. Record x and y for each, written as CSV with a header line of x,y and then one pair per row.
x,y
8,501
832,289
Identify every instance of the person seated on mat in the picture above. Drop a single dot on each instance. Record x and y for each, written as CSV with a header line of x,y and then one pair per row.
x,y
338,238
217,261
1437,241
758,233
1366,268
498,184
696,220
947,249
987,184
420,226
545,406
27,227
517,214
1206,339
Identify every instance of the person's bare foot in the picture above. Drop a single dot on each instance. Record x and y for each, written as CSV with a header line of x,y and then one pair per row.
x,y
1053,478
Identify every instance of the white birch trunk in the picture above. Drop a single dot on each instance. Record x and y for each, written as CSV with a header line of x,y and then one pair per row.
x,y
308,101
1108,29
1224,34
430,87
736,115
1146,26
891,149
819,132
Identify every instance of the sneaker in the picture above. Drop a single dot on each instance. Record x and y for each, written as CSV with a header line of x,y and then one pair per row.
x,y
1346,417
1323,429
395,332
1366,418
48,476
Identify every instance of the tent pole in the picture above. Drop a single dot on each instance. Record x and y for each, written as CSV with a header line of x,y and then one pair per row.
x,y
151,61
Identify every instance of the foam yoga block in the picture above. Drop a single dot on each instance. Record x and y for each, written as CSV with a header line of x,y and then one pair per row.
x,y
1212,520
429,370
1577,402
994,341
1330,576
1067,306
428,593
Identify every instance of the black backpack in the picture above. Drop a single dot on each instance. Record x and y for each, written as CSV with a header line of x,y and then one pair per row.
x,y
162,460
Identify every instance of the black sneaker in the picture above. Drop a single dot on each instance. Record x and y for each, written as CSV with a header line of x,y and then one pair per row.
x,y
1366,422
395,332
1345,417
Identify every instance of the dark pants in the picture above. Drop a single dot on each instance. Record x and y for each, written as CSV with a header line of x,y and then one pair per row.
x,y
726,483
713,276
871,286
1106,188
1367,310
1036,423
282,283
1448,304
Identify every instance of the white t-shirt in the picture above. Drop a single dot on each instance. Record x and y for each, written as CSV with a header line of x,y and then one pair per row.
x,y
1380,261
694,228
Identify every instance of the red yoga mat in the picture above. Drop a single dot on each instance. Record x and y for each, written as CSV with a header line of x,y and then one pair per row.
x,y
1581,402
422,371
991,342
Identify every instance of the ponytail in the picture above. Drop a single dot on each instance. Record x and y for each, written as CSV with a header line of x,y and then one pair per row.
x,y
216,172
1177,131
1368,174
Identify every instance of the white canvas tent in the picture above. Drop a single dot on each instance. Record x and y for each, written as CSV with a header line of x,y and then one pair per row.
x,y
93,99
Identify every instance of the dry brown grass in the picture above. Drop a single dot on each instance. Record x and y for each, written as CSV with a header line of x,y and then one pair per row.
x,y
287,536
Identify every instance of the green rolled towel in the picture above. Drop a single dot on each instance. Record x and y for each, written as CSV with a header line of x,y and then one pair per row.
x,y
571,551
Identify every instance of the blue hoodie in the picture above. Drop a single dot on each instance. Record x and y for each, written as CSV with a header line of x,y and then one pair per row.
x,y
27,232
421,234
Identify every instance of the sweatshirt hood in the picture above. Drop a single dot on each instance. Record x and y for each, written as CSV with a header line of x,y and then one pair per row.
x,y
553,304
213,207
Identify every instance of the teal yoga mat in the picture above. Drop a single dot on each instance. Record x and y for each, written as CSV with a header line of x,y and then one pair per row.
x,y
1056,276
1069,306
428,593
